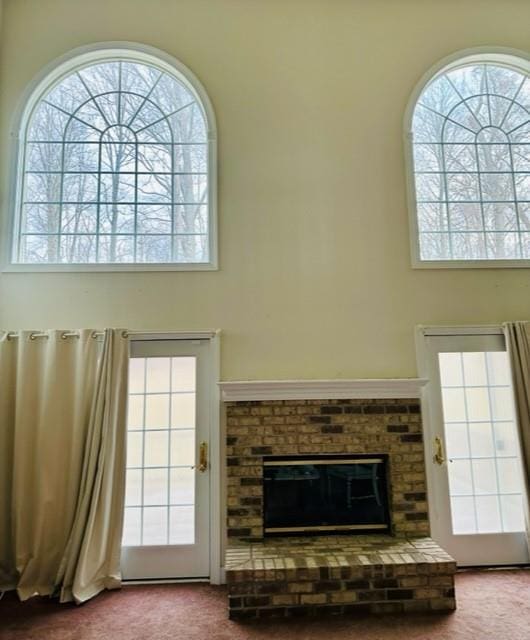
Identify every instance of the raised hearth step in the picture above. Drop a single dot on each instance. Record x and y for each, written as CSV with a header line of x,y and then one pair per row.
x,y
335,574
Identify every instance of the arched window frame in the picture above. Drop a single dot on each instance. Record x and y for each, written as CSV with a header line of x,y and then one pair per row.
x,y
50,76
501,56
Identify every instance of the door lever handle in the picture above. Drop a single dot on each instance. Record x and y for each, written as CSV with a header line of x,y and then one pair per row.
x,y
438,456
203,457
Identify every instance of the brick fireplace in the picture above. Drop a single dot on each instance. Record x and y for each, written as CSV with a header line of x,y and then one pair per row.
x,y
291,576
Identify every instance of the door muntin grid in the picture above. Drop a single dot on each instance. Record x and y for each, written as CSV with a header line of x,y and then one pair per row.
x,y
115,170
471,158
161,429
485,482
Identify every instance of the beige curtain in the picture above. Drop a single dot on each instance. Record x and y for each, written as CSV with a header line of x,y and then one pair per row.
x,y
518,345
62,447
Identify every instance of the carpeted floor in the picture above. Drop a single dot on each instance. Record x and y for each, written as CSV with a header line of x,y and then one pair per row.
x,y
491,605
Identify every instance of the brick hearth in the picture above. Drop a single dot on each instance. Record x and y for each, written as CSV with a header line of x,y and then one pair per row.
x,y
337,574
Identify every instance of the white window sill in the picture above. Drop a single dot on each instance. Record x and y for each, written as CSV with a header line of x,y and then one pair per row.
x,y
471,264
106,268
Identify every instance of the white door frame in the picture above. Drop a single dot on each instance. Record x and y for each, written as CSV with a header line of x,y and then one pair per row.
x,y
422,357
214,338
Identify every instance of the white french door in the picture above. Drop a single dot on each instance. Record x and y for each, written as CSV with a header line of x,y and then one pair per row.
x,y
473,455
167,526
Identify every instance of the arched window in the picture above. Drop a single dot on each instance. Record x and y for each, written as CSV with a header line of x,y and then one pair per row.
x,y
470,137
116,165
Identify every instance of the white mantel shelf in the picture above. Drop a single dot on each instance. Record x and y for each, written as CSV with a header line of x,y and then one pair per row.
x,y
366,389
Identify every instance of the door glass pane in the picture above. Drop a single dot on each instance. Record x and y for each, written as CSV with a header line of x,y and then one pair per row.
x,y
181,525
157,411
485,482
161,443
457,440
132,527
481,439
488,514
464,517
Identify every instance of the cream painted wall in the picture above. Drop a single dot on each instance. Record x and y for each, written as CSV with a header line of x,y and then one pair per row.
x,y
315,277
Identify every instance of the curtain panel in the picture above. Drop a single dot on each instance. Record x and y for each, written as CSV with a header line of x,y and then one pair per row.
x,y
518,344
63,405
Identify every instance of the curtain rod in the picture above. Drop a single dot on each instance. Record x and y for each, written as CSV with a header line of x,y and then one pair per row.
x,y
146,335
11,335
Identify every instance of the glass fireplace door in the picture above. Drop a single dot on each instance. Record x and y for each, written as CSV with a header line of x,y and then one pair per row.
x,y
325,494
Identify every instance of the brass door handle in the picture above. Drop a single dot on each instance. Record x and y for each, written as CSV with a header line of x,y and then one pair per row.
x,y
203,457
438,456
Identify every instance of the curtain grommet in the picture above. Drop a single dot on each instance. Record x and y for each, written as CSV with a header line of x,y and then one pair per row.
x,y
66,334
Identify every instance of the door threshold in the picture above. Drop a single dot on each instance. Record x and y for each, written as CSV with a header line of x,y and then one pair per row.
x,y
144,581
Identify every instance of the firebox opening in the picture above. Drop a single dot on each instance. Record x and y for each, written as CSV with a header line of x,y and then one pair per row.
x,y
325,494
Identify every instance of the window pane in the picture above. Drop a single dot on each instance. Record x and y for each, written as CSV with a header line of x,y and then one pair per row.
x,y
432,216
119,149
435,246
465,216
154,218
469,138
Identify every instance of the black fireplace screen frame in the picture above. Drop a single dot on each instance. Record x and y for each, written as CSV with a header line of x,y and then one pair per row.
x,y
326,494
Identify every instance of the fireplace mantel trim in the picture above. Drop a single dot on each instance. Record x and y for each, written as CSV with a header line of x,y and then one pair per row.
x,y
364,389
